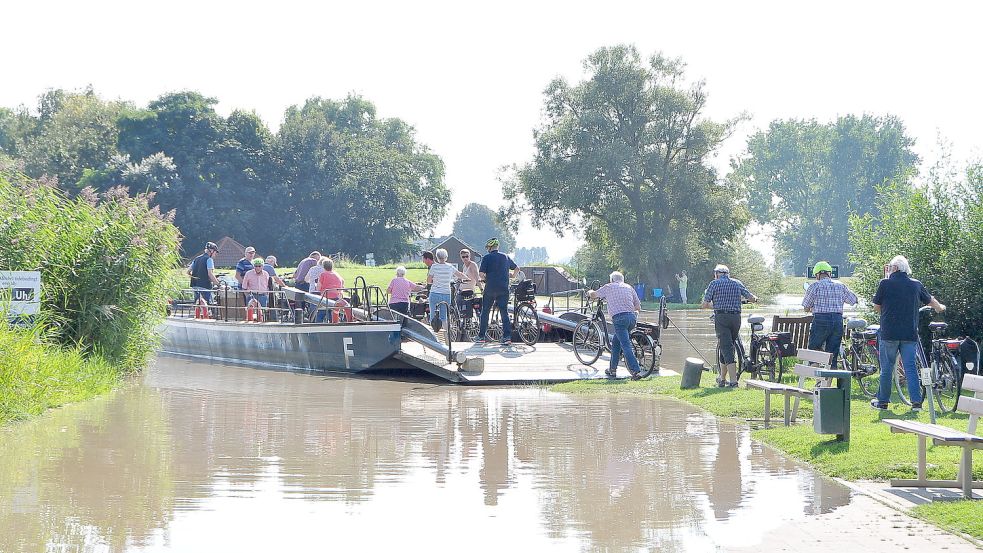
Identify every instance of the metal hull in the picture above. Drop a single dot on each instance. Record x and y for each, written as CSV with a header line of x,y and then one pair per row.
x,y
328,347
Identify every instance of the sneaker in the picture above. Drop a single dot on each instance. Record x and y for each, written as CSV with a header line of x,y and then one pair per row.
x,y
507,343
721,383
732,384
916,407
481,340
636,376
611,374
878,405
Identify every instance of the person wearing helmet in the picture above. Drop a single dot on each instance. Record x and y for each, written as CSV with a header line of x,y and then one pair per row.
x,y
256,282
202,273
494,271
825,299
724,295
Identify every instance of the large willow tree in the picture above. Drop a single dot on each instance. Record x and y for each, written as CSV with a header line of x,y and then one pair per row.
x,y
624,155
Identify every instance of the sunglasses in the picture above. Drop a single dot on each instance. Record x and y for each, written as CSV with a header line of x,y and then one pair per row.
x,y
465,256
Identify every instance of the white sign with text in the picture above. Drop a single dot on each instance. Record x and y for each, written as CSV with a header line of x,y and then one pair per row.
x,y
22,289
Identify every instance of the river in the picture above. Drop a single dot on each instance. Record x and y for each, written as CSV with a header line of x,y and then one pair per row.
x,y
208,457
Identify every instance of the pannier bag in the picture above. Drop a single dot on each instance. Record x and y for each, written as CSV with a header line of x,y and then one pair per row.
x,y
783,340
525,290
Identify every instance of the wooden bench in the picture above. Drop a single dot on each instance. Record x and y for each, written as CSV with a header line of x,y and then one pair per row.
x,y
945,436
814,361
798,327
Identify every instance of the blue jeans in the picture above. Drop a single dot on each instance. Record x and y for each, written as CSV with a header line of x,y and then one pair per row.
x,y
500,300
436,298
260,297
887,354
202,293
623,324
826,334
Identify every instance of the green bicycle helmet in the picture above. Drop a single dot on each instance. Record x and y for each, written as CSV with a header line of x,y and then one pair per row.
x,y
492,243
822,267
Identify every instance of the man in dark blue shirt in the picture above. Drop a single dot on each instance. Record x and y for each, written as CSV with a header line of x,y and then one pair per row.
x,y
494,271
898,299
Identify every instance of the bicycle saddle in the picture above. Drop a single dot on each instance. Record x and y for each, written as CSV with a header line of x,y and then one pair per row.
x,y
875,328
938,327
755,319
854,324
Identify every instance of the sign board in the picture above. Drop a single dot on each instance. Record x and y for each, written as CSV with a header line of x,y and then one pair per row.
x,y
836,272
20,293
370,260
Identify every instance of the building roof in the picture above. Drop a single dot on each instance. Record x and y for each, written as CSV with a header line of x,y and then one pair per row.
x,y
229,252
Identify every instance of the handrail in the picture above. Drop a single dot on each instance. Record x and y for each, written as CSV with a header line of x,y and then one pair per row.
x,y
447,331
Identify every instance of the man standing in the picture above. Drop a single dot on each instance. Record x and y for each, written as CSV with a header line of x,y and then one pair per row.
x,y
724,295
898,299
682,279
494,271
256,282
623,304
202,273
300,274
825,299
245,264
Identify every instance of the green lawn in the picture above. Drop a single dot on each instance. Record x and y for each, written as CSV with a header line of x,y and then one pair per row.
x,y
958,516
873,453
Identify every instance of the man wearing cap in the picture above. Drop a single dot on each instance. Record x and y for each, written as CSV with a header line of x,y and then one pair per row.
x,y
825,299
246,264
724,295
300,274
202,273
494,271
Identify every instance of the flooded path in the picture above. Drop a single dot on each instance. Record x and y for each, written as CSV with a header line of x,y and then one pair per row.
x,y
203,457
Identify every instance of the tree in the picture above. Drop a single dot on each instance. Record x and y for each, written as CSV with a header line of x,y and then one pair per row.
x,y
528,256
476,223
624,154
356,183
806,178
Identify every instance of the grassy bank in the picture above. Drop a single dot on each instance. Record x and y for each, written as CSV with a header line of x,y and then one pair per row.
x,y
873,453
37,375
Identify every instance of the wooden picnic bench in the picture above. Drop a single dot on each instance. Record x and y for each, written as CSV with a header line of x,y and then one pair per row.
x,y
945,436
798,327
813,361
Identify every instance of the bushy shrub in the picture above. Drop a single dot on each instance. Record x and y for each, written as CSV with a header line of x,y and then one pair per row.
x,y
939,228
104,263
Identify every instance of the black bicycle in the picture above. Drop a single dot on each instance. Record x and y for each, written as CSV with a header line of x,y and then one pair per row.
x,y
943,364
591,338
463,320
858,354
764,359
525,318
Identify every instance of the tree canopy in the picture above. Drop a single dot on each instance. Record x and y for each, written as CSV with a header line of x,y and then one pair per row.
x,y
476,223
806,178
624,156
335,177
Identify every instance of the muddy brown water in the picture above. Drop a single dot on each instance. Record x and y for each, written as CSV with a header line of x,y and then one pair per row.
x,y
210,457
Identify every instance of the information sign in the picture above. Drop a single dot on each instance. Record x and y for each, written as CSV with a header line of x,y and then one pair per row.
x,y
20,293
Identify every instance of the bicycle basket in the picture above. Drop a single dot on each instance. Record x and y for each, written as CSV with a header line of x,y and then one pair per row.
x,y
525,291
783,340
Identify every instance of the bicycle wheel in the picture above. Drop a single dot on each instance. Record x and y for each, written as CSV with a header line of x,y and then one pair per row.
x,y
644,348
454,326
867,370
587,342
739,357
768,362
946,385
494,325
901,380
527,323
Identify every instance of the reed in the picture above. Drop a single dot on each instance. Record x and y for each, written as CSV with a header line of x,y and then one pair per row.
x,y
104,262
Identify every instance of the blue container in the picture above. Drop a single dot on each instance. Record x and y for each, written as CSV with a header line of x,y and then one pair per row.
x,y
640,289
657,293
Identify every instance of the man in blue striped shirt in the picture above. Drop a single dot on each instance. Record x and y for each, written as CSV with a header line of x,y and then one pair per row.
x,y
724,295
825,299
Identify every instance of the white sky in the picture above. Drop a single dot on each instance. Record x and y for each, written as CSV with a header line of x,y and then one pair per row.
x,y
470,77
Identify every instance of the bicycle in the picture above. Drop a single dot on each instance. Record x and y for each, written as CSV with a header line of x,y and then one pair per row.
x,y
859,356
590,338
462,316
765,361
525,318
944,368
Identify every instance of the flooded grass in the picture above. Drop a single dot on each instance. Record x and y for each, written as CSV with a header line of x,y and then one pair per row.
x,y
37,375
873,453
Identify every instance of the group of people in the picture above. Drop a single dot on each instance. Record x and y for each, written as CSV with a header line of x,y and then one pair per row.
x,y
491,278
897,299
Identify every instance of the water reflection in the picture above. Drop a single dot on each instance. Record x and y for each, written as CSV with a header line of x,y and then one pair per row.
x,y
209,457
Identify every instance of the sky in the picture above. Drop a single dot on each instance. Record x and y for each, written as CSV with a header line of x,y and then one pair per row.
x,y
470,76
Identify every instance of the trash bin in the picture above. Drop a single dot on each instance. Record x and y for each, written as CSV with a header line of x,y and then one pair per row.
x,y
831,406
657,293
640,290
692,372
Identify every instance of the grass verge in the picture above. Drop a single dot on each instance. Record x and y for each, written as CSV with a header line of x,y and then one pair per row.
x,y
37,375
873,453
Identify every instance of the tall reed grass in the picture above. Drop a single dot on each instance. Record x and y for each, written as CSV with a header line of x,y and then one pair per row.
x,y
104,263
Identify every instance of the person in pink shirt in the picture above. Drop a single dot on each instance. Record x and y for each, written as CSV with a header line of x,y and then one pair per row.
x,y
399,290
256,284
331,285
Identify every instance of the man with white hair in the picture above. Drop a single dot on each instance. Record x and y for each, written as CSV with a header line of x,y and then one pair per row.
x,y
898,299
623,304
724,295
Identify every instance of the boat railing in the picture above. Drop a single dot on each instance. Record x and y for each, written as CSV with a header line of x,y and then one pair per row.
x,y
562,302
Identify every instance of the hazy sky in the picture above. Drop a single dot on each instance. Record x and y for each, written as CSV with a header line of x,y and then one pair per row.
x,y
470,76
